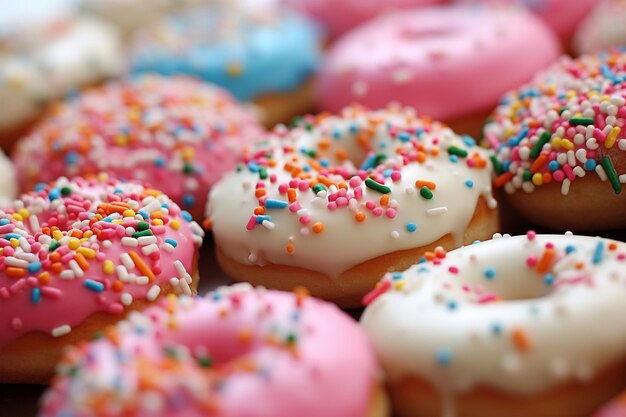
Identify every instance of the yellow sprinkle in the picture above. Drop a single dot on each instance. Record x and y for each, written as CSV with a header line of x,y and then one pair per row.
x,y
121,140
117,221
24,213
398,285
129,213
157,222
570,94
14,242
108,267
74,243
612,137
99,216
567,144
103,177
537,178
17,217
555,142
175,224
87,234
86,252
57,235
188,153
234,69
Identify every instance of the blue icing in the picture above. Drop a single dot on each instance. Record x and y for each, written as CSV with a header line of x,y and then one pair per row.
x,y
200,46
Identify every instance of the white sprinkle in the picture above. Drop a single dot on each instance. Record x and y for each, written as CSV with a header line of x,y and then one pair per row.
x,y
196,229
579,171
28,257
622,178
78,271
66,274
106,244
187,278
153,293
510,363
184,287
12,261
401,76
24,243
146,240
127,261
268,225
180,269
622,144
168,248
581,155
437,211
174,283
601,173
61,330
122,273
129,241
559,368
151,206
34,223
130,231
147,250
571,158
142,280
395,234
565,186
126,299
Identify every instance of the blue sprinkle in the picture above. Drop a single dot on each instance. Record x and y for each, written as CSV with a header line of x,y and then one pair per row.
x,y
548,279
271,203
92,285
553,166
260,219
354,128
469,141
396,275
143,214
253,166
411,227
443,356
40,186
368,163
159,162
515,140
185,215
387,173
118,191
71,158
35,295
189,200
171,241
404,136
496,328
452,305
216,296
590,164
454,159
306,168
34,267
4,222
469,183
54,194
10,236
569,249
324,162
336,134
597,254
490,273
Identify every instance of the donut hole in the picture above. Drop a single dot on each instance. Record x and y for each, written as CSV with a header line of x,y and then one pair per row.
x,y
519,285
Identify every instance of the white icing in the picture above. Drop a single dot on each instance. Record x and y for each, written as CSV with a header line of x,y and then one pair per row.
x,y
8,181
344,242
575,329
45,62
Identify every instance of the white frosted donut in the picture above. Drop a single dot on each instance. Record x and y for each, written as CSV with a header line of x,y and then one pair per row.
x,y
43,62
535,323
339,200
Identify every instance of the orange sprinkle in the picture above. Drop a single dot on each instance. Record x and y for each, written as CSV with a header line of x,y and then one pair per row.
x,y
541,160
81,261
521,339
434,151
324,180
156,215
612,246
117,286
546,260
245,336
55,257
579,265
342,185
207,224
301,293
15,272
315,165
384,200
502,179
141,265
152,192
421,157
341,155
291,195
318,227
430,255
56,267
259,210
429,184
290,248
324,143
359,216
259,192
44,278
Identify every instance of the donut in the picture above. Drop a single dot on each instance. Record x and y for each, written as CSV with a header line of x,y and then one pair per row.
x,y
76,255
562,16
177,133
518,326
46,59
450,63
560,147
339,17
602,28
267,55
615,408
234,352
337,201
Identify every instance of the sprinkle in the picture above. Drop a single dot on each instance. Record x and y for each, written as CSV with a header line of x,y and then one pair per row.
x,y
411,227
426,193
581,121
598,252
35,295
443,356
437,211
454,150
522,340
141,265
61,330
370,183
490,273
153,293
609,169
94,286
382,287
270,203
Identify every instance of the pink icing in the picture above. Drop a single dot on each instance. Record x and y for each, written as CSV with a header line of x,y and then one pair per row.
x,y
265,353
175,133
59,278
340,16
446,62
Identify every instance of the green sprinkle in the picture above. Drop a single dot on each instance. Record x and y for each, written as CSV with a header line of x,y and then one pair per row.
x,y
53,245
205,361
562,109
263,173
291,339
455,150
370,183
527,175
143,233
426,193
170,352
188,169
66,191
607,164
581,121
319,187
543,139
379,159
309,127
141,226
497,166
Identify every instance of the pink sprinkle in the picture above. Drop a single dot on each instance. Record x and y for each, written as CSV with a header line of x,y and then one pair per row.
x,y
487,298
465,287
282,188
370,205
51,292
32,281
16,323
569,172
158,230
260,184
116,308
454,270
558,175
294,183
358,193
549,245
598,134
8,251
303,186
396,176
295,206
531,261
273,178
332,205
378,211
382,288
251,223
390,212
306,219
342,202
531,235
355,181
621,256
17,286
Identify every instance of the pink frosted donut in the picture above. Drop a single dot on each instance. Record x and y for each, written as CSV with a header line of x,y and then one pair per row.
x,y
602,28
234,353
177,133
563,16
75,256
340,16
449,63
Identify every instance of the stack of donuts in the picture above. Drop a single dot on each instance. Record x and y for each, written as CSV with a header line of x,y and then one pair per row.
x,y
313,208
